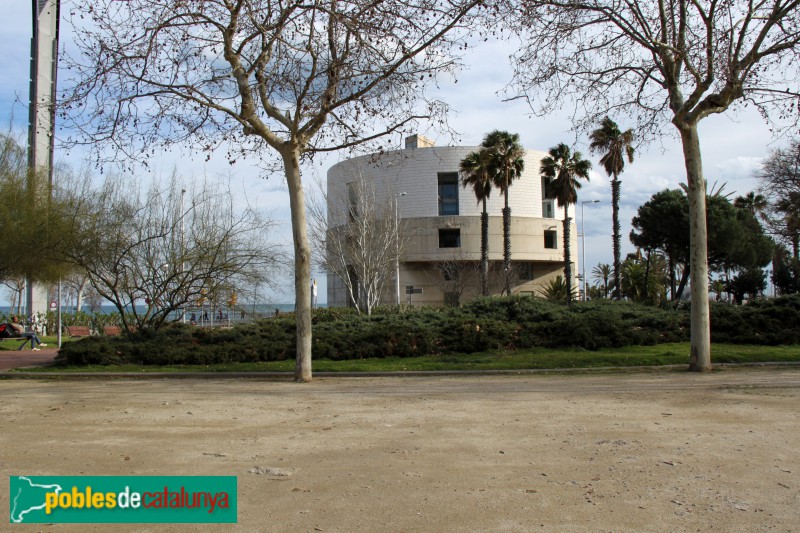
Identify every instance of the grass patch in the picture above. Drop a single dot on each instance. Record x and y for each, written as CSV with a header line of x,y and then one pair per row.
x,y
534,358
51,341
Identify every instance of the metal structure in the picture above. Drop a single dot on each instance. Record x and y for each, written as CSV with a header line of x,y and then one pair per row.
x,y
42,112
583,248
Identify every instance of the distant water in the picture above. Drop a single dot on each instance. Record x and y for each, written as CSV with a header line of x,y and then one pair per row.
x,y
259,310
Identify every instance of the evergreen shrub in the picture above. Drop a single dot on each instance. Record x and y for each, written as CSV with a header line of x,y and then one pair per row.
x,y
482,325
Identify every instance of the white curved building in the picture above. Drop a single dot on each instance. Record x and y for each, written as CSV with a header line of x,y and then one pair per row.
x,y
444,220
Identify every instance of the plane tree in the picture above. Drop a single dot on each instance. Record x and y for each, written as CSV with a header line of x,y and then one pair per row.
x,y
663,62
255,78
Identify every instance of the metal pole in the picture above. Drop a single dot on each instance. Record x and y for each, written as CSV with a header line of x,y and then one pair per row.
x,y
397,247
583,246
58,315
183,252
583,254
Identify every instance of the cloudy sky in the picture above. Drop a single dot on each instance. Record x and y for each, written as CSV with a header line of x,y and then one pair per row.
x,y
733,145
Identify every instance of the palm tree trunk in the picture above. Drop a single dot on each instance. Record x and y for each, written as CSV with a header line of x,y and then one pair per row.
x,y
615,186
484,251
671,277
567,256
507,245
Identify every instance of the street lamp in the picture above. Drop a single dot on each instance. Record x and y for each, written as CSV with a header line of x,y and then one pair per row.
x,y
397,247
183,251
583,247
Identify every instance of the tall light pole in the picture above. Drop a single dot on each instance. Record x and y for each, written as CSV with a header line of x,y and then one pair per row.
x,y
183,251
397,247
583,247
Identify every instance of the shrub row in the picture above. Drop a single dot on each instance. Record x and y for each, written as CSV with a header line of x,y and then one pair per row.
x,y
482,325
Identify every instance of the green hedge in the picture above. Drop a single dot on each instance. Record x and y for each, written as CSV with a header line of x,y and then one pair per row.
x,y
482,325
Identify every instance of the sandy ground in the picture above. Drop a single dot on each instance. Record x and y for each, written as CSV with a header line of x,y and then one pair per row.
x,y
625,452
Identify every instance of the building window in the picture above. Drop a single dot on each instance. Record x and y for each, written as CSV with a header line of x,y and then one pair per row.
x,y
548,209
547,189
449,238
525,271
352,200
448,193
551,239
451,299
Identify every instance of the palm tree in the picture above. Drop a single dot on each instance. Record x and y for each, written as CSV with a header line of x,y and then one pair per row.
x,y
602,274
561,170
506,165
555,290
755,203
788,208
615,146
475,172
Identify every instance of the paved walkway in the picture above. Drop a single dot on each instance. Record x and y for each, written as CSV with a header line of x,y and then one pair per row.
x,y
21,358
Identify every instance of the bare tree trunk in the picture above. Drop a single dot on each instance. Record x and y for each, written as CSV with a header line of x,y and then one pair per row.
x,y
567,256
700,359
302,263
484,251
615,185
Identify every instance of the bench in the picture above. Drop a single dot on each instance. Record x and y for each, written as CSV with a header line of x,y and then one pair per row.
x,y
16,338
112,331
78,331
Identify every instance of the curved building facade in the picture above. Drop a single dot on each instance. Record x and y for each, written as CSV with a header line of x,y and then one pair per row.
x,y
443,221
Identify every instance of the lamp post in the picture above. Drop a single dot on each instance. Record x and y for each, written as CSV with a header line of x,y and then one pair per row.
x,y
397,247
583,247
183,251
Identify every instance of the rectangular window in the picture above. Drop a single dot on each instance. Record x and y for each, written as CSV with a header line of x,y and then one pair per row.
x,y
449,238
451,299
448,193
551,239
525,271
547,189
548,209
352,200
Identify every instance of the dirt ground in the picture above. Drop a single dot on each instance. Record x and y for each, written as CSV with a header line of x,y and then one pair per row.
x,y
663,451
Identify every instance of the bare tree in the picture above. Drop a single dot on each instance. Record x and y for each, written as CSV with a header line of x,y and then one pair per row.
x,y
93,299
779,179
664,61
360,237
16,288
151,254
294,78
76,283
457,273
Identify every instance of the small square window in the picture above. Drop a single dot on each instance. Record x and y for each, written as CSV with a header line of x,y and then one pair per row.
x,y
449,238
551,239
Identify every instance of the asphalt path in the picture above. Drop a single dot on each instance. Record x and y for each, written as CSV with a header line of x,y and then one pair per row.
x,y
22,358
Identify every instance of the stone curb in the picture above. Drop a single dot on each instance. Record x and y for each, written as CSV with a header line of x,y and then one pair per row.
x,y
400,374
